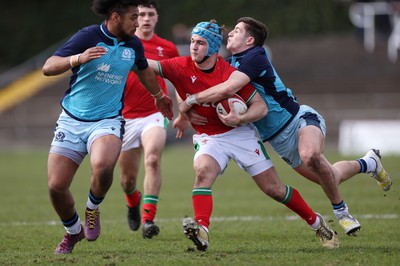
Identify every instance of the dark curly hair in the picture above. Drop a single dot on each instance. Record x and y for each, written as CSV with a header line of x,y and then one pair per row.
x,y
105,8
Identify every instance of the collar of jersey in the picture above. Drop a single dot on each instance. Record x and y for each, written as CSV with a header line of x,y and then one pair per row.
x,y
109,35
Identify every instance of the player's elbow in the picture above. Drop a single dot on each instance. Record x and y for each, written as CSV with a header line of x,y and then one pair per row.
x,y
262,109
53,66
46,71
264,112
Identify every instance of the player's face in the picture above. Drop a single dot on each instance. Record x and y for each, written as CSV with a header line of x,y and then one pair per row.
x,y
148,18
237,39
198,48
128,23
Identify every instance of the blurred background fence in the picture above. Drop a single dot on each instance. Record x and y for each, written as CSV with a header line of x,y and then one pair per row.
x,y
320,48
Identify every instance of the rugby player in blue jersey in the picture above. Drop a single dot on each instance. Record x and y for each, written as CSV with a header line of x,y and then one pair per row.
x,y
100,58
296,132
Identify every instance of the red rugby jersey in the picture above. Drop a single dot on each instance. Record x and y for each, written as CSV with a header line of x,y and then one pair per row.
x,y
189,79
137,100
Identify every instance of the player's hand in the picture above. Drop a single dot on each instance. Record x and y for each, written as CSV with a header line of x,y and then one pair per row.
x,y
181,123
233,119
164,105
195,118
92,53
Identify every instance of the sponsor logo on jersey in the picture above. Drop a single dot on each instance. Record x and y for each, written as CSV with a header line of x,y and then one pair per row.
x,y
103,75
193,79
104,67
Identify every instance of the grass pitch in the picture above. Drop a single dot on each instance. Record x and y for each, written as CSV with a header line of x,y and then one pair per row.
x,y
247,228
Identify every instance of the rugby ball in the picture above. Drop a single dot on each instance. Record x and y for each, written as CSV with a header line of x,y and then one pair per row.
x,y
235,101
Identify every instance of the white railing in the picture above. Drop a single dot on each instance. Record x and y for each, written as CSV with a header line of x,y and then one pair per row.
x,y
362,15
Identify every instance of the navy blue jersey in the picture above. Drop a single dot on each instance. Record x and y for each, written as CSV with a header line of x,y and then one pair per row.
x,y
282,105
96,88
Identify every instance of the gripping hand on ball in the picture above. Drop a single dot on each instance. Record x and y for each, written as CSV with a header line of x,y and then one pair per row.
x,y
233,119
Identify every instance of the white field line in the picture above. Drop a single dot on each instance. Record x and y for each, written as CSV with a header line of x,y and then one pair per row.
x,y
213,219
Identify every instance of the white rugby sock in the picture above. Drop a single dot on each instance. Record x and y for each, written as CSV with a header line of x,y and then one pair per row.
x,y
75,228
371,164
315,225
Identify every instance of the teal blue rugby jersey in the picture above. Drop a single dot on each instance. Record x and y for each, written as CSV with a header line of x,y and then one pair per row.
x,y
282,105
96,88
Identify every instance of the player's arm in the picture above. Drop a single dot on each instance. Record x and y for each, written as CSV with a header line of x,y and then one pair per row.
x,y
181,123
56,65
149,80
154,65
218,92
257,109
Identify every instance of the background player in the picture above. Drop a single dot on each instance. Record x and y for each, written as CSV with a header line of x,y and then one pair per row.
x,y
145,129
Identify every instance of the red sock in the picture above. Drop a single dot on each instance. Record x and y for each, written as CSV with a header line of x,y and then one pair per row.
x,y
133,199
202,206
148,211
296,203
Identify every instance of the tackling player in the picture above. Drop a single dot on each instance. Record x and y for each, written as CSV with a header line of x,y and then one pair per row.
x,y
296,132
216,144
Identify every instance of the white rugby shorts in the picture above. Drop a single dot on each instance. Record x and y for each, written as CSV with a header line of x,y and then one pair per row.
x,y
240,144
134,129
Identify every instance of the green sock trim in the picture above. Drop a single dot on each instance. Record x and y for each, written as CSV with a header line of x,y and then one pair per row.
x,y
288,195
150,199
201,191
131,191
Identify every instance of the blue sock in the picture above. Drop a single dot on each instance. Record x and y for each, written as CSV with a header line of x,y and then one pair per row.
x,y
363,165
338,206
93,202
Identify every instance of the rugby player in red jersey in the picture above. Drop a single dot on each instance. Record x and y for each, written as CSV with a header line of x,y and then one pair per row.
x,y
216,143
145,129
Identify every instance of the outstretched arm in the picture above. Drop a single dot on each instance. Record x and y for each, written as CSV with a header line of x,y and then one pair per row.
x,y
153,64
162,101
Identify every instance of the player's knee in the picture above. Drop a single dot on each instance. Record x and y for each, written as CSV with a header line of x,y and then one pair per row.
x,y
201,173
127,181
203,176
57,186
103,176
54,193
310,158
152,161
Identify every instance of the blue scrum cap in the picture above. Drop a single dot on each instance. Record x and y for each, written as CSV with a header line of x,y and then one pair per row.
x,y
211,32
